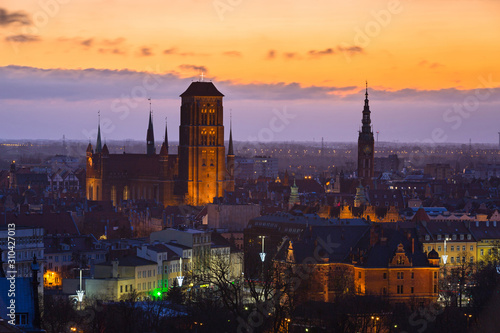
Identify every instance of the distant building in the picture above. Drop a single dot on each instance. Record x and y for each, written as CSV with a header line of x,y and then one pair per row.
x,y
366,145
370,260
200,172
255,167
115,279
28,243
390,163
438,171
231,217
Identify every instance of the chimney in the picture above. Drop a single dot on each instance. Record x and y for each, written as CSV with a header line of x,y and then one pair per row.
x,y
114,271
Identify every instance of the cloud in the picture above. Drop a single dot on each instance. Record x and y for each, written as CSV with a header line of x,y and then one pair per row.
x,y
351,49
23,38
271,54
112,51
29,83
113,42
87,42
172,50
195,68
146,52
232,54
7,18
290,55
175,51
315,53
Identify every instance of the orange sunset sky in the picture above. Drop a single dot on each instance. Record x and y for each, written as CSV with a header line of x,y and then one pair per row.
x,y
63,60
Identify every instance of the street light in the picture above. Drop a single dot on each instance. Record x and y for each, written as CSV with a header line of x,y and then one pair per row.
x,y
180,278
80,292
262,254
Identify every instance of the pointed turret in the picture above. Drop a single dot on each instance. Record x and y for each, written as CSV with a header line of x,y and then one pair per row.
x,y
164,145
105,150
230,148
89,148
98,145
150,138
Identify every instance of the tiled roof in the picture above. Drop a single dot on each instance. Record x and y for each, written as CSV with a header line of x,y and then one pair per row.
x,y
201,89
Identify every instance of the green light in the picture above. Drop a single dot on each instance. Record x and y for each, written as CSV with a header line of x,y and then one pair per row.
x,y
158,293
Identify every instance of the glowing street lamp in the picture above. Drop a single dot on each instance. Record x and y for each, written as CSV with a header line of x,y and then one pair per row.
x,y
180,278
262,254
81,292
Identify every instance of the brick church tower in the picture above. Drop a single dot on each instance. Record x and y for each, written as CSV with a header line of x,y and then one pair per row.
x,y
202,159
366,147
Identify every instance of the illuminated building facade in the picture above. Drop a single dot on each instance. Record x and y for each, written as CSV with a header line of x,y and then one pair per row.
x,y
374,260
200,171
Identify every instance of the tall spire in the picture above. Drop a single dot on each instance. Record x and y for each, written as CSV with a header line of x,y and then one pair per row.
x,y
98,146
150,138
366,114
165,139
230,150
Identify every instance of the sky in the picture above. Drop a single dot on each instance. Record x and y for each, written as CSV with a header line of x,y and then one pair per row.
x,y
289,70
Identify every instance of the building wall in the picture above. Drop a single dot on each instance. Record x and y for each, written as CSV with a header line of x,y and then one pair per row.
x,y
28,242
233,217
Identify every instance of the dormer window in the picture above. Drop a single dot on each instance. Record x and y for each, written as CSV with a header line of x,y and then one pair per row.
x,y
461,237
469,237
427,237
439,237
454,237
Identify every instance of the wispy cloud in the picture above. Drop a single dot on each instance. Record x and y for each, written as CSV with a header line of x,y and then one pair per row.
x,y
23,38
186,67
316,53
87,42
7,18
146,52
271,54
29,83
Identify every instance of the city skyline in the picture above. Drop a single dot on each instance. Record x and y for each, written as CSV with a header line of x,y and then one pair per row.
x,y
302,65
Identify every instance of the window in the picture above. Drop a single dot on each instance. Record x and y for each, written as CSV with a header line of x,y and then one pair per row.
x,y
121,289
435,275
463,248
411,290
469,237
439,237
471,259
400,289
359,275
435,289
126,288
452,259
412,275
454,237
439,248
482,252
472,247
21,319
428,248
427,237
453,248
458,260
385,276
461,237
